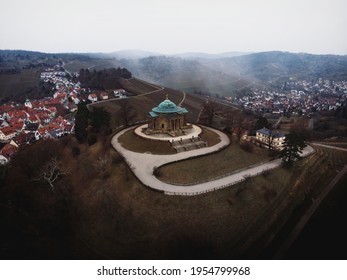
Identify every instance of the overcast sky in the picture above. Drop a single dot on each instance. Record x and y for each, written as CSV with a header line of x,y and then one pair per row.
x,y
212,26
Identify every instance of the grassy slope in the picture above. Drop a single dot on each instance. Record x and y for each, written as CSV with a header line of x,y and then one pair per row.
x,y
18,83
144,103
235,222
212,166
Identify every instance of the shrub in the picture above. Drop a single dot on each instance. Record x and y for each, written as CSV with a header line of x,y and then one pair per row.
x,y
265,173
247,146
274,153
92,139
75,151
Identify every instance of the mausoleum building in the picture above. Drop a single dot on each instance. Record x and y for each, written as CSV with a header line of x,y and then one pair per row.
x,y
168,118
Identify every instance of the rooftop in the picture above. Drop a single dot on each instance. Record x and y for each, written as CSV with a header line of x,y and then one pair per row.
x,y
166,107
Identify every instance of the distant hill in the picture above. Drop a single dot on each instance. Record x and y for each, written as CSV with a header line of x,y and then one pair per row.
x,y
187,74
229,74
20,59
199,55
271,65
133,54
222,74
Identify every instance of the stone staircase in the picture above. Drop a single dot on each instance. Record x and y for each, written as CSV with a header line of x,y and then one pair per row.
x,y
188,144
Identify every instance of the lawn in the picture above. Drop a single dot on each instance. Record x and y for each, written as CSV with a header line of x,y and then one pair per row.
x,y
14,84
133,142
208,167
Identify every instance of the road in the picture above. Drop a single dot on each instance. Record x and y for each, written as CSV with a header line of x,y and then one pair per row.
x,y
331,147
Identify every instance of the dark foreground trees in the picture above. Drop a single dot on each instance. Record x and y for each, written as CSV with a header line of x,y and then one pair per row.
x,y
293,146
81,122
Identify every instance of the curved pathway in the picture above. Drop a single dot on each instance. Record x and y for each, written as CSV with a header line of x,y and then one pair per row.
x,y
330,147
143,165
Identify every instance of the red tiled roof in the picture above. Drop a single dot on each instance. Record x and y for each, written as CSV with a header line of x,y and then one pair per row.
x,y
8,150
6,108
17,114
7,130
22,138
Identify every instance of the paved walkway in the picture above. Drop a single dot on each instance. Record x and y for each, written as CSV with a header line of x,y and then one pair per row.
x,y
143,165
331,147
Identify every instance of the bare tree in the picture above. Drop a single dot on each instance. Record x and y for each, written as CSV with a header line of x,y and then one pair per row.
x,y
102,164
208,111
126,113
52,171
242,124
229,119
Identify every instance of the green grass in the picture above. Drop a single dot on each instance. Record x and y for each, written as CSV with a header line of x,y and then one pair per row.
x,y
133,142
211,166
18,83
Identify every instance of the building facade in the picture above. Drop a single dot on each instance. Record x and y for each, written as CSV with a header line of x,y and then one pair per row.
x,y
270,139
168,118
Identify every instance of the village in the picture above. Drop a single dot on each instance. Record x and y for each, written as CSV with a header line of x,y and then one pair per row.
x,y
297,98
23,124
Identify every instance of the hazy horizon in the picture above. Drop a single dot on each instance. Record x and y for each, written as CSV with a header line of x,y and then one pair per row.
x,y
173,27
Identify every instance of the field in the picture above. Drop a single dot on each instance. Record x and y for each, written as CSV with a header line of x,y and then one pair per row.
x,y
218,83
14,84
138,87
133,142
209,167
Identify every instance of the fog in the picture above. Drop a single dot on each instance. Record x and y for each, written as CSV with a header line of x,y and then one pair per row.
x,y
178,26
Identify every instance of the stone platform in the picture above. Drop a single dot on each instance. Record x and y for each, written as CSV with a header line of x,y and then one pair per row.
x,y
192,133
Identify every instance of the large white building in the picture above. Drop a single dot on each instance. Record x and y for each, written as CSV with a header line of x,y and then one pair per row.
x,y
270,139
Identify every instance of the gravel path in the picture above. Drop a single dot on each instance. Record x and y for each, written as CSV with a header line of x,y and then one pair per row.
x,y
143,165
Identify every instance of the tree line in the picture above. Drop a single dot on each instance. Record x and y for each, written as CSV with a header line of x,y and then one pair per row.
x,y
103,79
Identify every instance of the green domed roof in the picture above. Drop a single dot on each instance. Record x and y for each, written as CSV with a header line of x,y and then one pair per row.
x,y
167,106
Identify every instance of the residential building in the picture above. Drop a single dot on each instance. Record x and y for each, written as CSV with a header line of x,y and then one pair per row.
x,y
270,139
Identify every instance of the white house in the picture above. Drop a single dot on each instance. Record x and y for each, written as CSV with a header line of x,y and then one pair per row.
x,y
270,139
103,96
92,97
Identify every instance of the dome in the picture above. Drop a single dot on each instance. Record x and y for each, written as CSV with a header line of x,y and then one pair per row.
x,y
167,106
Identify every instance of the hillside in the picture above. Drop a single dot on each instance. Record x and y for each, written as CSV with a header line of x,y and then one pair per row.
x,y
271,65
225,75
149,96
186,74
222,74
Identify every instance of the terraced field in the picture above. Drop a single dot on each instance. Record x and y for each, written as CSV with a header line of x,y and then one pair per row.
x,y
149,96
138,87
12,84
